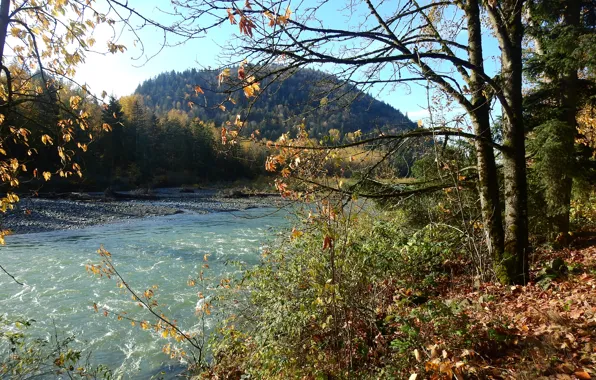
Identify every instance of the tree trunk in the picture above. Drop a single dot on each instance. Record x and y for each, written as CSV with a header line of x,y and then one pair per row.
x,y
4,13
513,266
488,184
569,100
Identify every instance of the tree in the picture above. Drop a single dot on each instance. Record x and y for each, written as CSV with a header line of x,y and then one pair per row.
x,y
562,33
41,44
409,42
112,117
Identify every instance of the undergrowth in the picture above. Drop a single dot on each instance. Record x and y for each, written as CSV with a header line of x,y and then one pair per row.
x,y
375,297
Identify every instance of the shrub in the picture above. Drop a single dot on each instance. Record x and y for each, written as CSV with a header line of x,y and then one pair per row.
x,y
24,356
317,304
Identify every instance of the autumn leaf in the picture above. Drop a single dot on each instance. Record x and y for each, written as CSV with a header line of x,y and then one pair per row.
x,y
3,234
199,90
582,375
231,16
224,136
327,242
246,25
238,121
296,233
417,355
47,140
47,175
222,76
251,89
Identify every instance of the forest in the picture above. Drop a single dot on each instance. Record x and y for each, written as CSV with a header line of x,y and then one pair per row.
x,y
457,246
153,138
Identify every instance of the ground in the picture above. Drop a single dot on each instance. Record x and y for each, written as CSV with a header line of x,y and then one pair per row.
x,y
544,330
38,214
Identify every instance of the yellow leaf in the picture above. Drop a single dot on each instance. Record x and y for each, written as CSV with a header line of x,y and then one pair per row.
x,y
224,74
296,233
46,140
47,175
417,355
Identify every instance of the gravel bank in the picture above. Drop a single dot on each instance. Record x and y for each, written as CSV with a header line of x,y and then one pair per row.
x,y
42,215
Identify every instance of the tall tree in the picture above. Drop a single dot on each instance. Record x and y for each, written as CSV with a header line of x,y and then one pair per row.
x,y
506,22
412,42
562,34
113,118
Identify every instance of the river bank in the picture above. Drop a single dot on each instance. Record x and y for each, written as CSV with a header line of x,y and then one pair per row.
x,y
40,214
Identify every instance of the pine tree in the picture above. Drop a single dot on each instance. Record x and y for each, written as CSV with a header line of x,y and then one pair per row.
x,y
562,33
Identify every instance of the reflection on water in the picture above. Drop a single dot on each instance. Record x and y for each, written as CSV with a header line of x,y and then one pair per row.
x,y
162,251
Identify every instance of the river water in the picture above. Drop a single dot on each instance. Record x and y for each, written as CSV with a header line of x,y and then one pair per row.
x,y
164,251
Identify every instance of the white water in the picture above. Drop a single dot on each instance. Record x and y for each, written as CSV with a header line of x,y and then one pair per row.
x,y
162,251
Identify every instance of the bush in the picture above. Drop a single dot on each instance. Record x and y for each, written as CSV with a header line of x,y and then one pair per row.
x,y
317,304
23,356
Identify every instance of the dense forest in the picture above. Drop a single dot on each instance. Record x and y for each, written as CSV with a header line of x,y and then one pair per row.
x,y
155,138
322,100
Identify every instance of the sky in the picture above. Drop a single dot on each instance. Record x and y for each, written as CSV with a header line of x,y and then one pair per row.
x,y
120,74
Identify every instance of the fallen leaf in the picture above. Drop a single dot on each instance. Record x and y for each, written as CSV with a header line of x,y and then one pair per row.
x,y
582,375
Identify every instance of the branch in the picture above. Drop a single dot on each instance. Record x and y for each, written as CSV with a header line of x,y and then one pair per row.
x,y
388,195
410,134
11,276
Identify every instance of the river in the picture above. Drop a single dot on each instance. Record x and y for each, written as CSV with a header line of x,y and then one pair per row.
x,y
164,251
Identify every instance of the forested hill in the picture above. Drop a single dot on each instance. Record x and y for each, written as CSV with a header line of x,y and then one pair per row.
x,y
280,106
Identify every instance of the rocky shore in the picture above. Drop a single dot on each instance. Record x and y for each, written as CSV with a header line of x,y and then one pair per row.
x,y
42,214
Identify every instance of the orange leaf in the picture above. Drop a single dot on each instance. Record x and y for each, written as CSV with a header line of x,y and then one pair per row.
x,y
583,375
231,16
199,90
246,25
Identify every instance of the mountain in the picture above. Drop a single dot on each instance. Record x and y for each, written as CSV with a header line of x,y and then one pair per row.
x,y
320,99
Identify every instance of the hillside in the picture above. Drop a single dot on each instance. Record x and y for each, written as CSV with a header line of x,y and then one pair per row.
x,y
280,106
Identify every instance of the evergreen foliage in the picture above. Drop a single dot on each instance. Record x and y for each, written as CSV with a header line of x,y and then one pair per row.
x,y
321,99
563,39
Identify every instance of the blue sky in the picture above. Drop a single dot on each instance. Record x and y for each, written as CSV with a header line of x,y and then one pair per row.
x,y
121,73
